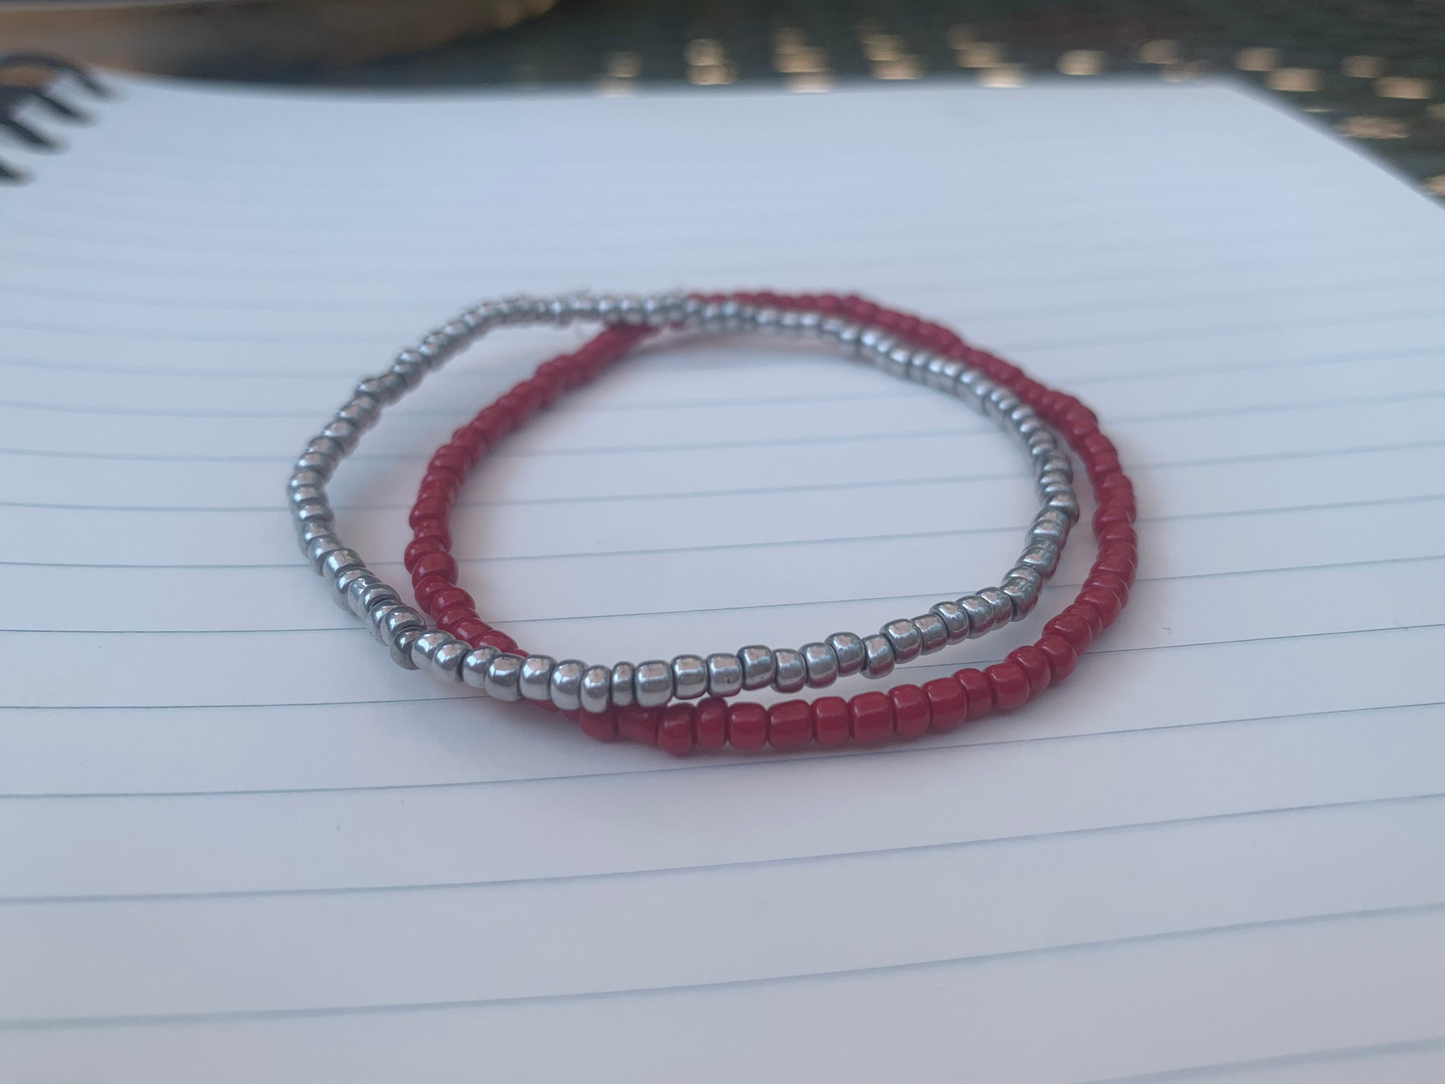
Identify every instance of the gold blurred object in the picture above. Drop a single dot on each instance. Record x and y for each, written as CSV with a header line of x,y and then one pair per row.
x,y
237,37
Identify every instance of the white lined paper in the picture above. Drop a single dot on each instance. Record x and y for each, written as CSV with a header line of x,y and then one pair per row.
x,y
232,832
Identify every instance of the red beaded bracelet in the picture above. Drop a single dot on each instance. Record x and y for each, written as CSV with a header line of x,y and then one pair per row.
x,y
905,710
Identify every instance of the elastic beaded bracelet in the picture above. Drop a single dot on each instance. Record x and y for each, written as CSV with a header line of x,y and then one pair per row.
x,y
906,710
654,682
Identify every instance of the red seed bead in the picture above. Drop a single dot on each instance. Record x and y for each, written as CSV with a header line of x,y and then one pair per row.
x,y
440,487
747,726
445,600
418,548
452,618
601,725
1010,685
427,589
1073,628
435,564
1090,614
499,640
1103,600
427,509
1110,514
451,457
1035,666
872,717
434,528
675,733
790,724
1119,534
1061,656
711,723
832,721
947,703
472,442
1101,464
1113,482
978,691
910,710
471,630
638,723
1109,581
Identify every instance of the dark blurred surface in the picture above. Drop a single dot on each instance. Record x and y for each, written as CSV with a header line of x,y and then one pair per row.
x,y
1375,71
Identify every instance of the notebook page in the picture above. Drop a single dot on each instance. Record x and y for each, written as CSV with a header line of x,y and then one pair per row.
x,y
234,836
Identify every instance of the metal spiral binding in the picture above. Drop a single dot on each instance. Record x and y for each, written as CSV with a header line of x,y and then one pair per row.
x,y
13,97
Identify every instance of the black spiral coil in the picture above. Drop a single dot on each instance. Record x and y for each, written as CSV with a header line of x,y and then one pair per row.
x,y
13,97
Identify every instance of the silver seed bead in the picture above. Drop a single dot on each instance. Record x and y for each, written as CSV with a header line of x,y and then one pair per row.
x,y
594,693
1066,504
360,412
535,681
652,683
898,361
304,478
338,561
299,495
474,666
758,666
954,619
344,433
373,388
933,631
376,620
1003,609
504,673
344,582
907,641
1050,525
566,684
624,691
848,649
408,372
323,466
313,511
982,617
425,646
400,618
1022,594
446,663
1054,461
821,665
1042,556
321,548
791,671
724,674
400,648
689,677
942,373
363,598
324,445
878,657
1025,572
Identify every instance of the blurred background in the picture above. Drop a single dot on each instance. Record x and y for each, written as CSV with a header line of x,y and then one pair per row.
x,y
1374,70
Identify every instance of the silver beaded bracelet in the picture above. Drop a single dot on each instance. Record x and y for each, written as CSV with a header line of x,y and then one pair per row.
x,y
573,684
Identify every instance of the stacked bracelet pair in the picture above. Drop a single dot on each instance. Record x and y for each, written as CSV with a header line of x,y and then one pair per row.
x,y
653,700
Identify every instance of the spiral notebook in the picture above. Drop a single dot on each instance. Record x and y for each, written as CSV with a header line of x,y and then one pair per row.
x,y
236,844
